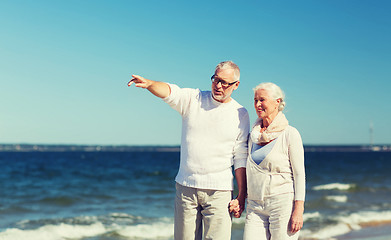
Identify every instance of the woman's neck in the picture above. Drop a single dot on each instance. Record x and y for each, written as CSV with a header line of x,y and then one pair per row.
x,y
268,120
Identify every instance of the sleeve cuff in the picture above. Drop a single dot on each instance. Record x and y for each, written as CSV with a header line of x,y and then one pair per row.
x,y
240,163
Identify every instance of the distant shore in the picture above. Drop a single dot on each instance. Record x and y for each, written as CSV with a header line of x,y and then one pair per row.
x,y
84,148
169,148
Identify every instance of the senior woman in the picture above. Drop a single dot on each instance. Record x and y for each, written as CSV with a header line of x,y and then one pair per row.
x,y
275,171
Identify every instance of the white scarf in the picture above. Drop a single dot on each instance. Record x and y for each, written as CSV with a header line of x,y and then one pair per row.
x,y
272,131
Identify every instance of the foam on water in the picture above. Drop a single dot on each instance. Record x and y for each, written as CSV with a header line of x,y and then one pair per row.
x,y
125,225
55,232
307,216
338,198
327,232
336,186
346,224
356,220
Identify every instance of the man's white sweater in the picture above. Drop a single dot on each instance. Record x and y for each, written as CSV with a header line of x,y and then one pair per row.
x,y
214,137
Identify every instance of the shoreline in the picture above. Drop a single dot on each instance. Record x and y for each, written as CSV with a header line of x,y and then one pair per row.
x,y
373,231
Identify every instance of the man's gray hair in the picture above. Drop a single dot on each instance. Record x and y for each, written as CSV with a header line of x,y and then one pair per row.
x,y
229,65
274,92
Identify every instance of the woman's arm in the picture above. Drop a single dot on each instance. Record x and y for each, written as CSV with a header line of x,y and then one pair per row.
x,y
296,156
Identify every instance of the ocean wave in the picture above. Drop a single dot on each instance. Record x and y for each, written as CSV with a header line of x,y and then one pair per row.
x,y
338,198
121,224
332,186
366,218
346,224
307,216
14,209
327,232
55,232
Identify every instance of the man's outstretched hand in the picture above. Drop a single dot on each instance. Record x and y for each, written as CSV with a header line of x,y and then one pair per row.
x,y
139,82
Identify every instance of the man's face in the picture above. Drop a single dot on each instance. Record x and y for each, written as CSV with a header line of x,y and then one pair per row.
x,y
220,93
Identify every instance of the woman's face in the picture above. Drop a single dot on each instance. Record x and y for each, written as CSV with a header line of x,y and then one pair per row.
x,y
265,106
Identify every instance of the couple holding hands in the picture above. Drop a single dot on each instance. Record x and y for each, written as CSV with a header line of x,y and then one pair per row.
x,y
268,160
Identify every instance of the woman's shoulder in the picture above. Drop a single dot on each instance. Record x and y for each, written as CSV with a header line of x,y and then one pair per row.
x,y
291,131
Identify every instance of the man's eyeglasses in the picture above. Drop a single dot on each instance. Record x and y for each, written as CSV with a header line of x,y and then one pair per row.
x,y
216,81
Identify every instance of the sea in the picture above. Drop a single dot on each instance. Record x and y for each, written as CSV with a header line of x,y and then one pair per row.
x,y
118,194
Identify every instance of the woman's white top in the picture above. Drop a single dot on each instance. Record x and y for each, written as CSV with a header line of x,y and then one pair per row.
x,y
281,171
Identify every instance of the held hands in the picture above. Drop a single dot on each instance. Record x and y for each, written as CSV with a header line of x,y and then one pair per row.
x,y
236,208
139,82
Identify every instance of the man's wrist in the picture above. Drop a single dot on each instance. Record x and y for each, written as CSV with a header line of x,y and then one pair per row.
x,y
241,198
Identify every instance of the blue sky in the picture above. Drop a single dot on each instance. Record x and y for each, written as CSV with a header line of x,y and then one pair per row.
x,y
64,66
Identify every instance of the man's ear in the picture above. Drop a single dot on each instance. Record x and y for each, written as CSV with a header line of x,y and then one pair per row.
x,y
236,85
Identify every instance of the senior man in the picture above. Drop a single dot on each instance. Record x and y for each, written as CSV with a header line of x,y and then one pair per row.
x,y
214,137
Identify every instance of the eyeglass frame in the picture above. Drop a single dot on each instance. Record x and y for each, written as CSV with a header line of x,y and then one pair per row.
x,y
223,83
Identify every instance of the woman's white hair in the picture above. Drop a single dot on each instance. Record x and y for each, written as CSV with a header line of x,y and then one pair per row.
x,y
274,91
229,65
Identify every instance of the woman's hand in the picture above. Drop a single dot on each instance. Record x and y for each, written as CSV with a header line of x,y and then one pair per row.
x,y
296,221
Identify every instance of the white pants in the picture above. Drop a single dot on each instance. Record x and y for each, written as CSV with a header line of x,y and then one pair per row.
x,y
269,219
202,212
